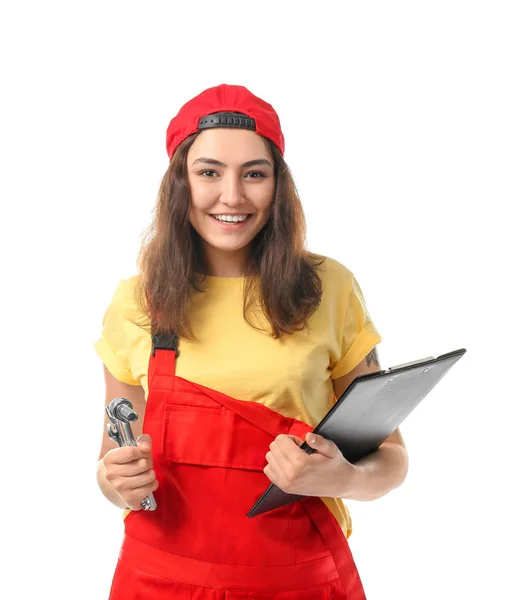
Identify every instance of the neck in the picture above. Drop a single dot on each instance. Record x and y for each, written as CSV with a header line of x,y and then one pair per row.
x,y
224,263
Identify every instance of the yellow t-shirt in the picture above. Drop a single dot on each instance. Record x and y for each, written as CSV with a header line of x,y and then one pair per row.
x,y
292,375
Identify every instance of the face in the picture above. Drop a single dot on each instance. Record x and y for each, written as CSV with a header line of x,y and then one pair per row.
x,y
230,172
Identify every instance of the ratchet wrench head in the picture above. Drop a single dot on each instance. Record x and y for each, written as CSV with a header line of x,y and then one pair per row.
x,y
121,410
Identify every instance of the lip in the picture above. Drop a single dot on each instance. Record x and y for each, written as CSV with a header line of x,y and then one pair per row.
x,y
235,227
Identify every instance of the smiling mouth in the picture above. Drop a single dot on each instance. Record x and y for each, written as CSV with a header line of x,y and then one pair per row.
x,y
231,223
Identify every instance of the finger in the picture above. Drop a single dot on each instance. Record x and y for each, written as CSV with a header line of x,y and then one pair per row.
x,y
137,481
289,459
289,445
280,454
273,472
136,467
124,454
274,464
134,497
321,445
295,439
144,479
144,442
144,491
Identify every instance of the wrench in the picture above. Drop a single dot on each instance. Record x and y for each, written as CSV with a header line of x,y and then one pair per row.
x,y
121,415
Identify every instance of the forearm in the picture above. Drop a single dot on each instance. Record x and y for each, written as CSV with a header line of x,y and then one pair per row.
x,y
378,473
107,488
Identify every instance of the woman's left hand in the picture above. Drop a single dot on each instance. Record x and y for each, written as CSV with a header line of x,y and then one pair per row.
x,y
324,473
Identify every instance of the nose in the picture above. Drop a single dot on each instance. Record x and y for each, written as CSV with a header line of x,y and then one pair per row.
x,y
232,191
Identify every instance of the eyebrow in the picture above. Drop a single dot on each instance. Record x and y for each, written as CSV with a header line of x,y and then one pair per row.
x,y
218,163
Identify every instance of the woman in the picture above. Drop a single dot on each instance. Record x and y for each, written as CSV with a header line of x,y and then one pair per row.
x,y
262,337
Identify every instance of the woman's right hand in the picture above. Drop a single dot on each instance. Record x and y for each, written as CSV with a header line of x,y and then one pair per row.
x,y
130,470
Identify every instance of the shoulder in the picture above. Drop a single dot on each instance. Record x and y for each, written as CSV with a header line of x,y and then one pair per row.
x,y
124,297
125,289
335,275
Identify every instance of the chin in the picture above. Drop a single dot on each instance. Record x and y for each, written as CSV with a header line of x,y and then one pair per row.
x,y
232,246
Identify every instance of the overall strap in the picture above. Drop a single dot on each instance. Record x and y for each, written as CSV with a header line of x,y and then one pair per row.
x,y
257,414
163,363
334,538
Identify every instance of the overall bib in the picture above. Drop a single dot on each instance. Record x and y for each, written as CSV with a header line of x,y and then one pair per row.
x,y
209,454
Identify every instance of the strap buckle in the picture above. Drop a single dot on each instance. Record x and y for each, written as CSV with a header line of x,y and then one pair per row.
x,y
165,341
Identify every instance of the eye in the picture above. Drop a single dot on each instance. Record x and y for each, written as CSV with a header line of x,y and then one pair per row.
x,y
259,174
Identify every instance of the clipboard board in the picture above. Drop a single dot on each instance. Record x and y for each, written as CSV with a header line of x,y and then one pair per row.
x,y
368,412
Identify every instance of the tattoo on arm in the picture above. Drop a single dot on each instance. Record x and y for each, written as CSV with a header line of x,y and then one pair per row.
x,y
372,357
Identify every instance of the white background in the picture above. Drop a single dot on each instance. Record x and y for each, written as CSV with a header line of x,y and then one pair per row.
x,y
396,128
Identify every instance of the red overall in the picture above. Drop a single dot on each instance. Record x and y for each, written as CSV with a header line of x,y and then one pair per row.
x,y
209,454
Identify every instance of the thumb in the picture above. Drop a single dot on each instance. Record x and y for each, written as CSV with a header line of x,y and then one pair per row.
x,y
144,442
321,444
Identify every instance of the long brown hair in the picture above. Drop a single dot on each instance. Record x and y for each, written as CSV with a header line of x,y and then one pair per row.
x,y
281,276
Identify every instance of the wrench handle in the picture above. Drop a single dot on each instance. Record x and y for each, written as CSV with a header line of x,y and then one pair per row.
x,y
148,502
121,433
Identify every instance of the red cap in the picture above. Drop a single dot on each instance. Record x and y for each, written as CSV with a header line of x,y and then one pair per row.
x,y
224,98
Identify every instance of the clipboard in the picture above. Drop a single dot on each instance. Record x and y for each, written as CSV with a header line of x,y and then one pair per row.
x,y
368,412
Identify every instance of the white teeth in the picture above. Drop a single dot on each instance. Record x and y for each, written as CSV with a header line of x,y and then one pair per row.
x,y
230,218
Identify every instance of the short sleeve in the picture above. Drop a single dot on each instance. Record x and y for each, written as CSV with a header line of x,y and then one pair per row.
x,y
358,332
119,334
